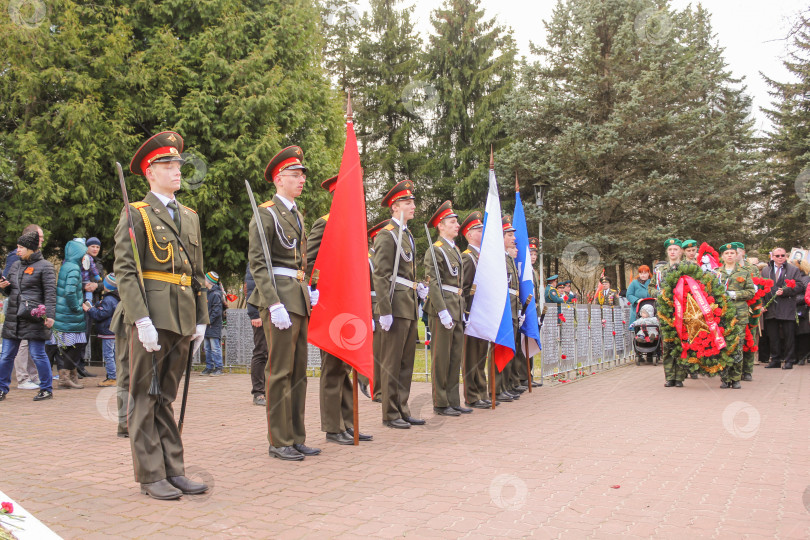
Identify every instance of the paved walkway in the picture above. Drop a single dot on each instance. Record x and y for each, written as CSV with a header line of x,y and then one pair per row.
x,y
612,455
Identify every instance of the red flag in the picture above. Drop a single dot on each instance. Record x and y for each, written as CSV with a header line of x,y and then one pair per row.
x,y
340,323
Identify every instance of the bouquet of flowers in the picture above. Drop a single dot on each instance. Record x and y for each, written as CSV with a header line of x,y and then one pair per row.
x,y
7,512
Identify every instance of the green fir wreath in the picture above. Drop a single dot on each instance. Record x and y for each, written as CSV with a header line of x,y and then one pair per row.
x,y
699,354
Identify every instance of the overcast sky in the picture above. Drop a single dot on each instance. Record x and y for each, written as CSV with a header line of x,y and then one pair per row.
x,y
751,31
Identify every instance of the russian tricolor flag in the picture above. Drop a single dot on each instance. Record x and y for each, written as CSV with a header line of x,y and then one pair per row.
x,y
530,327
491,313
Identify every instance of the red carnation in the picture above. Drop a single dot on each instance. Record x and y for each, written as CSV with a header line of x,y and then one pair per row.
x,y
718,312
711,299
563,357
614,333
790,283
7,508
561,317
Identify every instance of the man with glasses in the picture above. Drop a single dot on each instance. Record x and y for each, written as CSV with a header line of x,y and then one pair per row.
x,y
284,301
781,314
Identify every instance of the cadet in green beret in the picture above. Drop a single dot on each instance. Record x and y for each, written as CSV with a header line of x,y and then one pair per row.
x,y
673,372
753,324
690,251
739,289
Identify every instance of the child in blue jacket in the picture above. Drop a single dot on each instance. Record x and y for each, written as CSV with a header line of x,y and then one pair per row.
x,y
101,314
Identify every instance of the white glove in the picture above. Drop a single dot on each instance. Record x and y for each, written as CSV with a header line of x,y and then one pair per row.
x,y
313,296
386,321
199,336
446,319
147,334
373,326
732,294
422,290
279,317
520,320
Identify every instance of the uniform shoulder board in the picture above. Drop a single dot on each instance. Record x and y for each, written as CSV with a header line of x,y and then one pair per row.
x,y
325,218
138,205
466,251
187,208
389,227
267,204
437,243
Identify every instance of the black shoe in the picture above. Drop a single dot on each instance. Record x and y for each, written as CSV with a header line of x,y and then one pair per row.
x,y
362,436
399,423
259,400
3,395
307,450
669,384
537,384
287,453
364,389
161,490
693,375
339,438
481,404
787,365
446,411
377,400
43,395
463,410
747,377
414,421
679,384
724,384
83,372
773,365
503,396
123,435
736,385
188,487
515,395
518,390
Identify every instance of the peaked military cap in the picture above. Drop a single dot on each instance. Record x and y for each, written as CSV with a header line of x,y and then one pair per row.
x,y
507,224
472,221
672,242
533,242
688,243
372,232
330,184
161,148
552,278
444,211
288,159
402,190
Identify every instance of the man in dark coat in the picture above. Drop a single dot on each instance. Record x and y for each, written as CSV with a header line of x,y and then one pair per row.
x,y
781,313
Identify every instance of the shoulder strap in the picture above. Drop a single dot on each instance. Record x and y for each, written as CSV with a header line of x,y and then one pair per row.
x,y
139,204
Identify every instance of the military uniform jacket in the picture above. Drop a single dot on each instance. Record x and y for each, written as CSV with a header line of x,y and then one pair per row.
x,y
314,241
514,285
469,264
405,301
552,296
371,278
451,271
178,308
288,250
738,280
659,276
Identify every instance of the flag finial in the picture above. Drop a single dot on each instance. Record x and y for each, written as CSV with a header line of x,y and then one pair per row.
x,y
517,184
491,158
349,115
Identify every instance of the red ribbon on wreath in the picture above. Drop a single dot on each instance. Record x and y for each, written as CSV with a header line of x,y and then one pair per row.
x,y
687,284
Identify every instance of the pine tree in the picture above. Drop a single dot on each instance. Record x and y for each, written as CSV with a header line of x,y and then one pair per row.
x,y
633,119
786,186
238,79
342,32
471,62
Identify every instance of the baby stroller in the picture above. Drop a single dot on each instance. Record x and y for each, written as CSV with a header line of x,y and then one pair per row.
x,y
647,334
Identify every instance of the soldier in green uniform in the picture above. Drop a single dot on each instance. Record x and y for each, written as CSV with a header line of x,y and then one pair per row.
x,y
534,244
673,372
690,251
284,302
505,380
753,324
475,349
445,307
375,323
335,393
397,312
171,259
739,289
551,294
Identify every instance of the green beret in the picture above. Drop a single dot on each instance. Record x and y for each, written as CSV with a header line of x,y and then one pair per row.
x,y
726,247
738,245
672,242
688,243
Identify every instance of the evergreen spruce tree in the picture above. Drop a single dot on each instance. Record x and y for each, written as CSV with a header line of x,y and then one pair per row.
x,y
786,186
471,62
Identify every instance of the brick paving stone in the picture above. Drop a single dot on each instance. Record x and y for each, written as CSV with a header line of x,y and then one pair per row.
x,y
539,467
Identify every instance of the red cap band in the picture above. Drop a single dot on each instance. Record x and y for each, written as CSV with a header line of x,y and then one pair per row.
x,y
163,151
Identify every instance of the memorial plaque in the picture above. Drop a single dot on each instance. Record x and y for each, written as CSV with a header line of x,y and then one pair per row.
x,y
597,352
583,336
607,332
549,339
568,338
